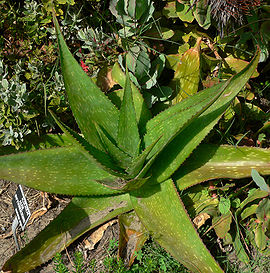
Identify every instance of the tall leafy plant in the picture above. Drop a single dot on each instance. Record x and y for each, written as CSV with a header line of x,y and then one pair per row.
x,y
127,163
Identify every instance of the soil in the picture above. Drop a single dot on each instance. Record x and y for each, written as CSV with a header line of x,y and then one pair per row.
x,y
45,207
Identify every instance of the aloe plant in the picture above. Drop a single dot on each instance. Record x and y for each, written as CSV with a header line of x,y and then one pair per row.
x,y
126,161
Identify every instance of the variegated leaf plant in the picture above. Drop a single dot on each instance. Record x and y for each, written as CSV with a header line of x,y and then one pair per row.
x,y
128,161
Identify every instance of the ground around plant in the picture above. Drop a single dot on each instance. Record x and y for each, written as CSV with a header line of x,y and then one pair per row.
x,y
84,257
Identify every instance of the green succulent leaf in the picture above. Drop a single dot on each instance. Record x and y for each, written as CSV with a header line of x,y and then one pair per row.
x,y
121,158
122,184
63,170
128,135
81,215
137,167
100,158
175,121
184,143
163,214
211,162
142,112
88,103
34,142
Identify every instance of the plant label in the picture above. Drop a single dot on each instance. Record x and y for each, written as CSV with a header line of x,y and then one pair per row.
x,y
21,207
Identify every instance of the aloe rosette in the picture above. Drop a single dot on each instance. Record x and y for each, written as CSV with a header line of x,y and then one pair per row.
x,y
129,164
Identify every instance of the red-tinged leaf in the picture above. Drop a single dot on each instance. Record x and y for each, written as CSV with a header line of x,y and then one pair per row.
x,y
132,237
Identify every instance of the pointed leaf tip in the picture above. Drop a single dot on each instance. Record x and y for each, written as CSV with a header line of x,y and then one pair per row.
x,y
128,133
87,101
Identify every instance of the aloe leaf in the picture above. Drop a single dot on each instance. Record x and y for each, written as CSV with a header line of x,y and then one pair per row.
x,y
176,119
102,159
123,185
134,184
163,214
63,170
121,158
87,101
81,215
184,143
34,142
128,137
212,162
142,112
136,167
132,237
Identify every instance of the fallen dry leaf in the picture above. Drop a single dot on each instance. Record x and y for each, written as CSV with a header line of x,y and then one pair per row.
x,y
37,214
96,236
4,236
104,79
200,219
